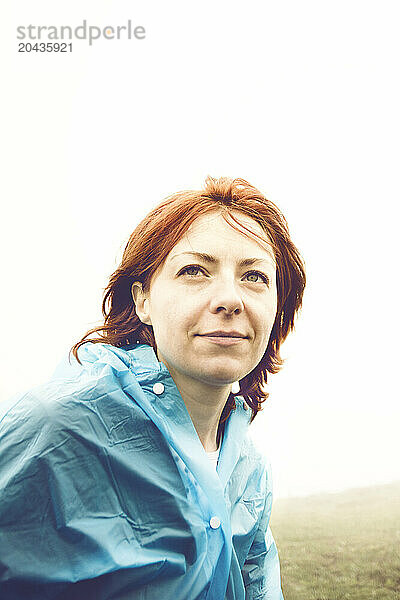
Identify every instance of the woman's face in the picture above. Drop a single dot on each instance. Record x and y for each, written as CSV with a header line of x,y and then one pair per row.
x,y
213,302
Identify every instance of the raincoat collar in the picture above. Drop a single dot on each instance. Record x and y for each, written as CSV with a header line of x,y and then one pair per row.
x,y
138,364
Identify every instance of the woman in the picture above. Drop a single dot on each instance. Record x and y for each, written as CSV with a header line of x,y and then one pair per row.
x,y
131,474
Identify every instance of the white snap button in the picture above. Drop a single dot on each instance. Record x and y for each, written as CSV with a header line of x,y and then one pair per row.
x,y
215,522
158,388
235,389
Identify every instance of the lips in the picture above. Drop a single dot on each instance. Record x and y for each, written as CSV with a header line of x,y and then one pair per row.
x,y
228,334
224,338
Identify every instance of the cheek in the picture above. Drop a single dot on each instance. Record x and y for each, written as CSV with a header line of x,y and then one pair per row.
x,y
266,310
265,321
172,315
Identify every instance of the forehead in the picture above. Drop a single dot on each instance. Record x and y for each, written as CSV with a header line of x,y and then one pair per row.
x,y
211,233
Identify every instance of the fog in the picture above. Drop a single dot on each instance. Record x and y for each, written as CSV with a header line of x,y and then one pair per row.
x,y
300,99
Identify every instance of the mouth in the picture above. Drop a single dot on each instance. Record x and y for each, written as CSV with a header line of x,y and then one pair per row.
x,y
224,338
228,334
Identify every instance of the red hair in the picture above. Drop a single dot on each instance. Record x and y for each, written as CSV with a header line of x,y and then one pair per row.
x,y
152,241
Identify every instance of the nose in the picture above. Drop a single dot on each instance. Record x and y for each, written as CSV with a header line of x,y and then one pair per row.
x,y
225,297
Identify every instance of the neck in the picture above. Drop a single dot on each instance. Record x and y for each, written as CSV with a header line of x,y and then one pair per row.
x,y
204,404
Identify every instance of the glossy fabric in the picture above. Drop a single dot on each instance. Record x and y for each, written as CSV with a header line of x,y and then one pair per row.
x,y
106,492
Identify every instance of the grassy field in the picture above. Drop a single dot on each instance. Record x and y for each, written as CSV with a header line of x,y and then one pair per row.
x,y
340,546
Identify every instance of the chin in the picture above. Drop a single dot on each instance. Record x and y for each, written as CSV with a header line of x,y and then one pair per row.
x,y
219,378
226,370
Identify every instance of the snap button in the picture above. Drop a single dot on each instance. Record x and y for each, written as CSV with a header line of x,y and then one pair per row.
x,y
215,522
235,389
158,388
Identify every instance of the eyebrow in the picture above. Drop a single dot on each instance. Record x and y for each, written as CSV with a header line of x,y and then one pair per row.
x,y
245,262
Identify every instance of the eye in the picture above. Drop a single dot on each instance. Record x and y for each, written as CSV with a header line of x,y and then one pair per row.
x,y
191,270
254,276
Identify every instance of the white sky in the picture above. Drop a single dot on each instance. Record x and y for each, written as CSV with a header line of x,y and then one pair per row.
x,y
300,98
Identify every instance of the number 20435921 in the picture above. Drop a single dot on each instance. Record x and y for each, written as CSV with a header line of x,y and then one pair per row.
x,y
45,47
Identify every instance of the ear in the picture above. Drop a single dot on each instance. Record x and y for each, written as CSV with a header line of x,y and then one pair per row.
x,y
141,302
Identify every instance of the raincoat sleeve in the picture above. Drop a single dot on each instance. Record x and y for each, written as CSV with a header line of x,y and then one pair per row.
x,y
261,570
59,515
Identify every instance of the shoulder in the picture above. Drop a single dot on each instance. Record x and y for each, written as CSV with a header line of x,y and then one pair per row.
x,y
86,401
256,467
66,404
41,417
253,453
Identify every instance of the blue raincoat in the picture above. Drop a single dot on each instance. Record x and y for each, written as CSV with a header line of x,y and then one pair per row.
x,y
106,492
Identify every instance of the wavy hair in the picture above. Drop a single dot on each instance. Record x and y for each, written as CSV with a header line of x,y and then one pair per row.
x,y
152,241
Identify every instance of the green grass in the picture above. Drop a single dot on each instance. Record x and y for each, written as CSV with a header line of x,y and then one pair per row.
x,y
340,546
